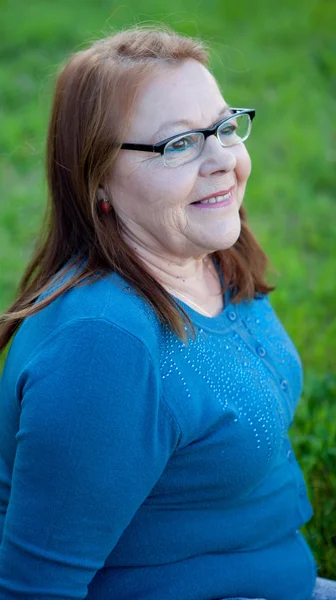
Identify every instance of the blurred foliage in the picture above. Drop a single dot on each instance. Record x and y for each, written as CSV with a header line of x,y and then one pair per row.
x,y
280,59
313,438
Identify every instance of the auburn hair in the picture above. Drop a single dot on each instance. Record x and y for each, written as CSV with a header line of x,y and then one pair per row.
x,y
94,96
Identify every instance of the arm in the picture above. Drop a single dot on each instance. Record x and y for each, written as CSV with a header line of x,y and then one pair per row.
x,y
93,439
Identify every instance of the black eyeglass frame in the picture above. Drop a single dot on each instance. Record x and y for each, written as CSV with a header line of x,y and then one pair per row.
x,y
207,131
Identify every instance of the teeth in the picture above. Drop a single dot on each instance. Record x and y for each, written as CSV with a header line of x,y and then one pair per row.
x,y
217,199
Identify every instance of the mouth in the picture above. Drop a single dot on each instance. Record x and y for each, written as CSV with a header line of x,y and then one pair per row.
x,y
222,198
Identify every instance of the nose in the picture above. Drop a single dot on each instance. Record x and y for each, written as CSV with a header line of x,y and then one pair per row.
x,y
216,158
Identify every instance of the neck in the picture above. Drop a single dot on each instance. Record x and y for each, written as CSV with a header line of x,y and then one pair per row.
x,y
194,280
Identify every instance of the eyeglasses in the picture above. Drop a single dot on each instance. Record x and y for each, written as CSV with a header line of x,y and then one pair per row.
x,y
181,149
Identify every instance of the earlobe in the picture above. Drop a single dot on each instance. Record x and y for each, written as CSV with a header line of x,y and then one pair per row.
x,y
104,203
101,194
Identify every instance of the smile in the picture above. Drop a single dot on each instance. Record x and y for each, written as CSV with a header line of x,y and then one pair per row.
x,y
216,201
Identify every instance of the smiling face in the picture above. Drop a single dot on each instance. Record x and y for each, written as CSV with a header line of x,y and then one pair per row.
x,y
155,202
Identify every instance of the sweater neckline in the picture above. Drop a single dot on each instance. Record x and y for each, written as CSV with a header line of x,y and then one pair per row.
x,y
210,323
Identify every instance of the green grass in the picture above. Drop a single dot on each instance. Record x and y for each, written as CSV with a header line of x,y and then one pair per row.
x,y
276,57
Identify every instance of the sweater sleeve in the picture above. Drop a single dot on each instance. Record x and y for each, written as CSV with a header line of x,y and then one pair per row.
x,y
94,437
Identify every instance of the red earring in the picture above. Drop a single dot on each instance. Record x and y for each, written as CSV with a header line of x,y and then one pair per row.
x,y
105,206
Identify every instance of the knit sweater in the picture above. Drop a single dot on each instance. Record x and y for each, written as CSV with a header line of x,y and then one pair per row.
x,y
133,466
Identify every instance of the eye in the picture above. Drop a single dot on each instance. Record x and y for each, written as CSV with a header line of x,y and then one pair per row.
x,y
228,129
184,143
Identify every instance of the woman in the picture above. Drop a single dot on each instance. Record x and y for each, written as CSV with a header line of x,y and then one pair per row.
x,y
149,387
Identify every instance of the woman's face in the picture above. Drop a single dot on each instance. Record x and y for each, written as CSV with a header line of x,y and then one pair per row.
x,y
153,201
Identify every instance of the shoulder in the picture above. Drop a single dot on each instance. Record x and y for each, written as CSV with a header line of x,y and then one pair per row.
x,y
113,300
108,304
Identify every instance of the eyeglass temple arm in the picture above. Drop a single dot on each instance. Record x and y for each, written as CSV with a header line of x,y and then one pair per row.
x,y
144,147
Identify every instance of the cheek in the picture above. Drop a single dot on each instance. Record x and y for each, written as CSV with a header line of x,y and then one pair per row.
x,y
242,170
243,167
148,184
133,185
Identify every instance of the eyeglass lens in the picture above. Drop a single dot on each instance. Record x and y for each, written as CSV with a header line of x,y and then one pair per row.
x,y
184,149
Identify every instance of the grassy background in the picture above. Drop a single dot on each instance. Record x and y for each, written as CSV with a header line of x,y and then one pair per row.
x,y
276,57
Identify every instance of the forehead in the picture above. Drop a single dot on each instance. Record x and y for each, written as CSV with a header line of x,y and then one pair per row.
x,y
184,92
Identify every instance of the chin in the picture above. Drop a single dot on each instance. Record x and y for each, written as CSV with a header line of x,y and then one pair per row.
x,y
231,238
229,243
225,244
232,233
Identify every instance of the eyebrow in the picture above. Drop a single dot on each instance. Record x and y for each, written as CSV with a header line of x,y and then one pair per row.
x,y
191,126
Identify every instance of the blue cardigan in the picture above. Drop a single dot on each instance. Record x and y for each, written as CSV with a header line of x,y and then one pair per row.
x,y
134,467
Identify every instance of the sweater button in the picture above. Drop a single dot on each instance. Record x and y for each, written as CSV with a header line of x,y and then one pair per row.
x,y
261,351
284,385
232,315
